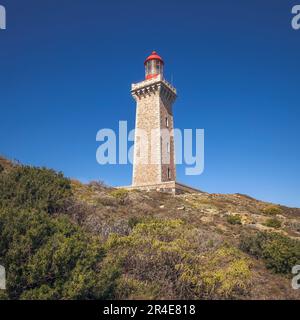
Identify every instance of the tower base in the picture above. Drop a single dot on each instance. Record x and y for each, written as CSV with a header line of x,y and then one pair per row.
x,y
172,187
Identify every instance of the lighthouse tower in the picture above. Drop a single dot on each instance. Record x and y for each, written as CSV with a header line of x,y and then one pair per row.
x,y
154,161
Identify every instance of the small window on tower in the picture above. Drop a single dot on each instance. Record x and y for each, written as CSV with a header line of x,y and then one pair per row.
x,y
167,122
168,147
169,173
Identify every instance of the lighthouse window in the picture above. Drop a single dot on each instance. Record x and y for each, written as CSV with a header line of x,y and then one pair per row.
x,y
149,67
157,67
169,173
152,66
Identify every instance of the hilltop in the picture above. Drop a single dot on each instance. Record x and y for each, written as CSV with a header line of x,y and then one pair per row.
x,y
138,244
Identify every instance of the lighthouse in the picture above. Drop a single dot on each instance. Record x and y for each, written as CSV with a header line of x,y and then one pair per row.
x,y
154,160
154,145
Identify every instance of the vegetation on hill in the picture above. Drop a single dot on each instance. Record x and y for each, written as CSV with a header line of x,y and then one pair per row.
x,y
47,256
279,252
169,259
33,188
60,239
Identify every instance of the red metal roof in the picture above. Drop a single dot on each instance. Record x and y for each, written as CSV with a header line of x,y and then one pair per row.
x,y
154,56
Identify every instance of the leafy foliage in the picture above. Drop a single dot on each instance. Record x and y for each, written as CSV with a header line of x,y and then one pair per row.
x,y
133,221
131,288
120,194
279,252
175,261
223,273
34,188
272,210
47,256
234,219
273,223
50,258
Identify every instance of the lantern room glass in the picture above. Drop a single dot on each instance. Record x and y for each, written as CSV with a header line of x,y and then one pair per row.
x,y
153,67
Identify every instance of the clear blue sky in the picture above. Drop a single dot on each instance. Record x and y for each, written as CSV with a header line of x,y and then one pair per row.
x,y
66,68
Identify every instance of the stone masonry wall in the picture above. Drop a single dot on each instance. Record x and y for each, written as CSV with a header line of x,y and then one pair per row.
x,y
147,118
154,104
168,158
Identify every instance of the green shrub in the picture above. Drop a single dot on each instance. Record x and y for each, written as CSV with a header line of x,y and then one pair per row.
x,y
162,258
51,258
272,210
120,194
234,219
220,274
279,252
133,221
273,223
130,288
34,188
47,256
3,295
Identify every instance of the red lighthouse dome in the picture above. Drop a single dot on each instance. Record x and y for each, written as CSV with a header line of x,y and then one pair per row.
x,y
154,65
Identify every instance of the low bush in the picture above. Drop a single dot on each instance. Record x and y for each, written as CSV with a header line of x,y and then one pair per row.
x,y
51,258
272,210
234,219
162,259
45,254
224,273
133,221
120,194
130,288
272,223
34,188
279,252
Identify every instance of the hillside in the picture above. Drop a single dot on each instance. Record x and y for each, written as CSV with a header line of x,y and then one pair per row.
x,y
5,164
90,241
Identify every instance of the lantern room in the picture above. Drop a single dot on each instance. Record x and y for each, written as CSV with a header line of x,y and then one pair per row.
x,y
154,66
